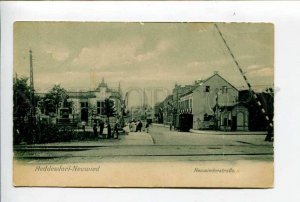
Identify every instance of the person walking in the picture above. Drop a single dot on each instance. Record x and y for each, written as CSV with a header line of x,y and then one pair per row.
x,y
134,125
147,127
139,126
116,127
95,129
108,131
101,125
83,123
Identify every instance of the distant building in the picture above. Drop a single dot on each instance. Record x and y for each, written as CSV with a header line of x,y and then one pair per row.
x,y
89,105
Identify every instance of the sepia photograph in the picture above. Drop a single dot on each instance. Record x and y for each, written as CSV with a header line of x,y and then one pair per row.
x,y
143,104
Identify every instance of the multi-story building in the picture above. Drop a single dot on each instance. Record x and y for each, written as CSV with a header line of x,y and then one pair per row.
x,y
213,103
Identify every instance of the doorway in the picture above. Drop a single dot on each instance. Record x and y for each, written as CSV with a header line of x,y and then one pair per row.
x,y
234,123
84,114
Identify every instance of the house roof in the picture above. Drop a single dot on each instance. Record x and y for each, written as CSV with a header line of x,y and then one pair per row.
x,y
204,81
190,91
217,74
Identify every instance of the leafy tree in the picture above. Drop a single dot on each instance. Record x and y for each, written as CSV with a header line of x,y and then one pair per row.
x,y
23,106
55,98
21,96
109,108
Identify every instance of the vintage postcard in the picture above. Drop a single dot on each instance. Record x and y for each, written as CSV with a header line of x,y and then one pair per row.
x,y
116,104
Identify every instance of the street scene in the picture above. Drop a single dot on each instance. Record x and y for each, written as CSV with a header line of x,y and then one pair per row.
x,y
158,92
160,144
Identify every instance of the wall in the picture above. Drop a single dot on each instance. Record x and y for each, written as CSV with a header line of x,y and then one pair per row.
x,y
204,102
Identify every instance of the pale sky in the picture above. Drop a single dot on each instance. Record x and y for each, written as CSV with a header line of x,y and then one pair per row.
x,y
145,55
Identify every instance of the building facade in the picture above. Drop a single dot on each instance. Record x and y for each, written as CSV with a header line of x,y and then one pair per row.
x,y
213,104
90,105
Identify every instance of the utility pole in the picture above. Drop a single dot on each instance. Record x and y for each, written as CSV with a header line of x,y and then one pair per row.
x,y
32,108
175,120
143,106
31,85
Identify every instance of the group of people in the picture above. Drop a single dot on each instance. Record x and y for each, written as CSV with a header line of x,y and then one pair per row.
x,y
137,126
105,129
108,132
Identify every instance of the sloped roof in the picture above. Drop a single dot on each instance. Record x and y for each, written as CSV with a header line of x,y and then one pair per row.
x,y
190,91
216,74
203,82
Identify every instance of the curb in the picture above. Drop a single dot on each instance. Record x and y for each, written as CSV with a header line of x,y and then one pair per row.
x,y
228,133
210,132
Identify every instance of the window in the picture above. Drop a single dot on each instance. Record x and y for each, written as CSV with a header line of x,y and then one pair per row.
x,y
224,89
207,88
186,104
100,107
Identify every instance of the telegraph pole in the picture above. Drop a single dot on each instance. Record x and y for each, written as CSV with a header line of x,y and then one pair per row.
x,y
32,108
31,85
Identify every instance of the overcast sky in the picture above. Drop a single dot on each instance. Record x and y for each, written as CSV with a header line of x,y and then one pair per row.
x,y
78,55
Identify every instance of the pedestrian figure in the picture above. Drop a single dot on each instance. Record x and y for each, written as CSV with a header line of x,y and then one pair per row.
x,y
95,130
171,126
130,126
147,127
83,123
108,131
139,126
134,125
101,125
116,127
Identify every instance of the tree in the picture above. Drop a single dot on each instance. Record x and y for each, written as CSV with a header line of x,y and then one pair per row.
x,y
23,111
109,108
55,98
21,96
